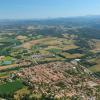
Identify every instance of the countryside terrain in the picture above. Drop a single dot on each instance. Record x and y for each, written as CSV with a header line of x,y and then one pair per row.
x,y
53,59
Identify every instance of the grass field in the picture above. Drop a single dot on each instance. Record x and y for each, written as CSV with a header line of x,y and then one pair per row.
x,y
97,46
95,68
3,75
10,87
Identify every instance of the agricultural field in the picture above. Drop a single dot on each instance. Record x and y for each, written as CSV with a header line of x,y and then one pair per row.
x,y
42,48
96,68
9,88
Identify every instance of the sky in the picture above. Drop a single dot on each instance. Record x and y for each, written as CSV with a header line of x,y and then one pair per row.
x,y
28,9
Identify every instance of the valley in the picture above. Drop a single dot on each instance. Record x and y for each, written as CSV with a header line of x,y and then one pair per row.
x,y
48,60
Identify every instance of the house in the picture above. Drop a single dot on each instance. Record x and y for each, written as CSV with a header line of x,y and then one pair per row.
x,y
2,57
91,83
75,61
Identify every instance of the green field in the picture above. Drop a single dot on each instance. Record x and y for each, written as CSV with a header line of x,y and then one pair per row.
x,y
10,87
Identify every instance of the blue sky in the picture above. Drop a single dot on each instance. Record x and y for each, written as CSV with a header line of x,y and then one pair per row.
x,y
25,9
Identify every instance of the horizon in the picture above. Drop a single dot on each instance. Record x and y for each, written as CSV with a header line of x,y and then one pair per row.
x,y
37,19
47,9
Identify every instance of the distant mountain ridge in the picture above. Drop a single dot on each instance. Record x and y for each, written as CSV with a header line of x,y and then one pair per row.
x,y
59,19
